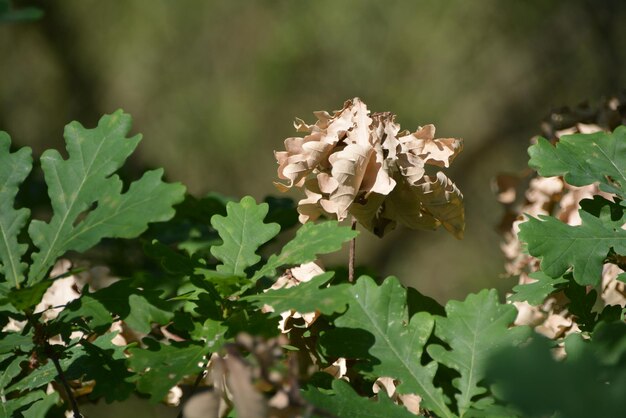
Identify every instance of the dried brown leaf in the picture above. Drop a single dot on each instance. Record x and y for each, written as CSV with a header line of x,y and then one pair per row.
x,y
354,162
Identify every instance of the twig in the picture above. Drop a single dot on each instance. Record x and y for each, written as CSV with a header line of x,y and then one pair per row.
x,y
352,254
52,356
41,337
196,383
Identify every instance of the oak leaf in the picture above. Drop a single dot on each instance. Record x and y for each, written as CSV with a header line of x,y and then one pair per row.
x,y
354,163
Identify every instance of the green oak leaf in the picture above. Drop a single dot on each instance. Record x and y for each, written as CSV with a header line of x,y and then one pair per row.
x,y
42,406
211,332
474,329
80,361
45,373
85,309
162,366
310,240
86,179
581,305
584,247
242,231
306,297
16,341
19,407
14,168
105,363
28,297
396,344
584,159
144,311
344,402
536,292
138,308
11,367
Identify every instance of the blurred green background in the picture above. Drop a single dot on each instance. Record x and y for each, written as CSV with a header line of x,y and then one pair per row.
x,y
215,85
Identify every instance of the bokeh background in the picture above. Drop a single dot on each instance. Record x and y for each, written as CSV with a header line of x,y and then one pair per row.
x,y
215,85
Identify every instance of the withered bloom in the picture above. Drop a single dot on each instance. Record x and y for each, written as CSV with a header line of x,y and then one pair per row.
x,y
354,163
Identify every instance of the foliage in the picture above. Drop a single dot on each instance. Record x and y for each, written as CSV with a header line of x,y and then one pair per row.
x,y
226,299
580,261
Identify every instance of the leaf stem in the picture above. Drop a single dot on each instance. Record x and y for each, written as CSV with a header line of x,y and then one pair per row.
x,y
41,338
196,383
52,356
352,255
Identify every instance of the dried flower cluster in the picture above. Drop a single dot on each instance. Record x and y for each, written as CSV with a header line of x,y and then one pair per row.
x,y
553,196
361,164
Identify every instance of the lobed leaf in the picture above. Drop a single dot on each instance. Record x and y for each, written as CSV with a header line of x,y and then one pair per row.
x,y
242,231
344,402
584,159
28,297
105,363
14,168
536,292
87,179
45,374
162,366
306,297
138,308
10,408
310,240
583,248
16,341
41,407
474,329
397,342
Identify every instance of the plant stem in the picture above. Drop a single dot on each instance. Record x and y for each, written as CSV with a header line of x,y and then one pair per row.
x,y
52,356
41,338
196,383
352,254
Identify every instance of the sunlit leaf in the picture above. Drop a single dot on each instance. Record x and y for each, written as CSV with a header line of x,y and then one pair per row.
x,y
311,239
584,159
475,329
309,296
376,325
242,231
85,185
535,292
344,402
14,167
583,248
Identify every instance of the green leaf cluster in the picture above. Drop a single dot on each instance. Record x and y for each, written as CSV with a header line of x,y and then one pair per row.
x,y
573,260
204,300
